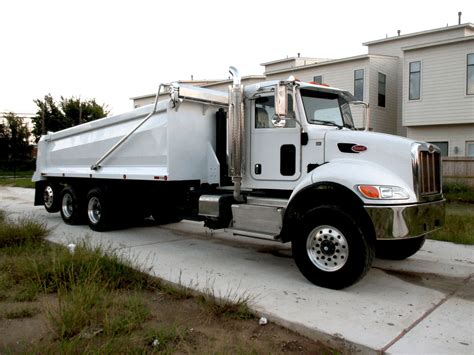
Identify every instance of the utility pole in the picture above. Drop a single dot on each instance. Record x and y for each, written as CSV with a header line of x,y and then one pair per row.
x,y
80,111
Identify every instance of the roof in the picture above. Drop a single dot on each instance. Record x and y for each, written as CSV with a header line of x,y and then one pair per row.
x,y
330,62
231,80
289,59
414,34
439,43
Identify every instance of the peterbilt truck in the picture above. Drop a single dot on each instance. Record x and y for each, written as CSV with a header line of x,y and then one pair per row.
x,y
278,160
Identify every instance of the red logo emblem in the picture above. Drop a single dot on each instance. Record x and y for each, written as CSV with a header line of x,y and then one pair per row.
x,y
359,148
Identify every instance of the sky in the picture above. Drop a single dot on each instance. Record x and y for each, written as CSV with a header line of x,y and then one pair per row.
x,y
114,50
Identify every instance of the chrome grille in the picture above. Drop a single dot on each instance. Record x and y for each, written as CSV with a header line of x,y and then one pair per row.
x,y
430,173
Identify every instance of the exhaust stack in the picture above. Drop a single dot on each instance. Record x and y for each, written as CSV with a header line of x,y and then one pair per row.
x,y
235,133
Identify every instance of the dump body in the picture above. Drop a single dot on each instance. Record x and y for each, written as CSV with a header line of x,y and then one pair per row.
x,y
173,145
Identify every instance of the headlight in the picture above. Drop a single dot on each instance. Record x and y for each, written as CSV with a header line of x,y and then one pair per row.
x,y
379,192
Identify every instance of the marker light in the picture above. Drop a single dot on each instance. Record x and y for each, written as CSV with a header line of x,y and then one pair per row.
x,y
378,192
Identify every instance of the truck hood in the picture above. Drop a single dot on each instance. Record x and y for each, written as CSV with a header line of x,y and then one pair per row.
x,y
389,152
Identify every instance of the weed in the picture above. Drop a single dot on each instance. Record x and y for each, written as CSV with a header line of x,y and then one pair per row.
x,y
233,304
179,290
165,339
80,307
126,315
27,293
25,230
26,312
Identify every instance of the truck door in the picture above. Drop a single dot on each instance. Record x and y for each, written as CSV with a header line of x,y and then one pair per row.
x,y
275,149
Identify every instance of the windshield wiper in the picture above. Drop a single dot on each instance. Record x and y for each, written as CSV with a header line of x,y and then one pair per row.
x,y
328,123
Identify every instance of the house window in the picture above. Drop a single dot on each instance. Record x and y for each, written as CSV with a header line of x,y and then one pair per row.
x,y
470,149
359,84
318,79
444,146
470,74
382,87
415,80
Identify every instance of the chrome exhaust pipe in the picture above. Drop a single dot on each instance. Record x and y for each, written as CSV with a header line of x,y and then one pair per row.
x,y
235,130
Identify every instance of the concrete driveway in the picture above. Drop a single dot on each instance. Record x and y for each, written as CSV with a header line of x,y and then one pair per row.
x,y
424,304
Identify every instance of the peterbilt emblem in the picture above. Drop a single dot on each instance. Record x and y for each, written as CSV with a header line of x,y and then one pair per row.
x,y
431,148
351,148
359,148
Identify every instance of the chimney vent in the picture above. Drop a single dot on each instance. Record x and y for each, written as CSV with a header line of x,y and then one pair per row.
x,y
398,31
299,55
459,17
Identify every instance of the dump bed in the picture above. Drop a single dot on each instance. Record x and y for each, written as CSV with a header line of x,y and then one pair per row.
x,y
176,143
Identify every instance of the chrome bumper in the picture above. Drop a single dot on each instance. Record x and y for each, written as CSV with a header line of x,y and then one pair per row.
x,y
406,221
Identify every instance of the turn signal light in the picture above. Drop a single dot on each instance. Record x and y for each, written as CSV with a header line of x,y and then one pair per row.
x,y
369,191
377,192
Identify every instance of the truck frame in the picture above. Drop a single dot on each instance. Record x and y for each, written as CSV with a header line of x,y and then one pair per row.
x,y
277,160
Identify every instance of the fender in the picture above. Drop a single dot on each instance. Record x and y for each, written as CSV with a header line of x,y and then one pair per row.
x,y
335,182
351,172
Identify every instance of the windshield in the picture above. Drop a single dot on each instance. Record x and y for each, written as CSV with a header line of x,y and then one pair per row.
x,y
326,108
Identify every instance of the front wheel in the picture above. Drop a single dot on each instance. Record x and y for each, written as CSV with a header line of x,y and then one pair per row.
x,y
332,250
398,249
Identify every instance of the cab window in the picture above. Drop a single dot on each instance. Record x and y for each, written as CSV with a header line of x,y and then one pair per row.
x,y
265,112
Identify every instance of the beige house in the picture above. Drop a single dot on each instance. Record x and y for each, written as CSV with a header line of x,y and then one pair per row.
x,y
419,85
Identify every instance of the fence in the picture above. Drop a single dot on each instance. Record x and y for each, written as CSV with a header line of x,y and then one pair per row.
x,y
458,170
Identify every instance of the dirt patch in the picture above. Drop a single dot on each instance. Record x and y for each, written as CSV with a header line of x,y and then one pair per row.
x,y
192,329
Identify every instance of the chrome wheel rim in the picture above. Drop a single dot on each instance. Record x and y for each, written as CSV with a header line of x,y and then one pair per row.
x,y
67,206
327,248
94,210
48,196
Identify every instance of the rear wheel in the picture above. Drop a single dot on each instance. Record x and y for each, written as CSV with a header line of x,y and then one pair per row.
x,y
99,211
398,249
72,208
52,197
332,250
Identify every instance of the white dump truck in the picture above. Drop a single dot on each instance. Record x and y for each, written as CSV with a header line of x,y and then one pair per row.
x,y
278,160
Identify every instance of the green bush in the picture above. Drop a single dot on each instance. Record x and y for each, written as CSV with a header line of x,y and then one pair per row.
x,y
456,192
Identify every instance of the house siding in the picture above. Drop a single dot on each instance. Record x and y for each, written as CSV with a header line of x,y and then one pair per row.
x,y
456,135
443,86
394,48
384,118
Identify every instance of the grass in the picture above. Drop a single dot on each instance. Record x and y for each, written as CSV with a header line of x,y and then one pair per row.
x,y
18,182
458,193
28,173
232,304
100,301
459,224
25,230
26,312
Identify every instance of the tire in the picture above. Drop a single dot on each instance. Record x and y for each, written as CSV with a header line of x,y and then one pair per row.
x,y
332,250
72,207
99,211
398,249
51,197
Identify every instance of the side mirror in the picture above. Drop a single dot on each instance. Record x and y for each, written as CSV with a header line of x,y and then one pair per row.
x,y
281,102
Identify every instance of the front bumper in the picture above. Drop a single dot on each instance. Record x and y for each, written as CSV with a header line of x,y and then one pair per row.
x,y
406,221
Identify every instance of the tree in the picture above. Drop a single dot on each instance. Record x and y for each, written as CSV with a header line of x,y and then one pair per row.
x,y
82,111
14,138
69,112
